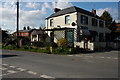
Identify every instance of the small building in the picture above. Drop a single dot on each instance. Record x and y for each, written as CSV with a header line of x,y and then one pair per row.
x,y
38,35
24,33
78,26
118,27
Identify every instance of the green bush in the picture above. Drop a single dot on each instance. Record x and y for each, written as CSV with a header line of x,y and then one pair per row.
x,y
9,47
38,44
26,48
62,43
60,50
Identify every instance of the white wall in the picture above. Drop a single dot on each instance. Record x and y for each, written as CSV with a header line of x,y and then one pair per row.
x,y
60,21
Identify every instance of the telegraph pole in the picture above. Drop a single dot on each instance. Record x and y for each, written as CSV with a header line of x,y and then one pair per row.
x,y
17,23
119,12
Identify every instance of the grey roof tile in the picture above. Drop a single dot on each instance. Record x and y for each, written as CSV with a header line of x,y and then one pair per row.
x,y
71,10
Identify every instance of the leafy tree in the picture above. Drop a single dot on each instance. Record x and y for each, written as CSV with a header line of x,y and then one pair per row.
x,y
110,24
5,36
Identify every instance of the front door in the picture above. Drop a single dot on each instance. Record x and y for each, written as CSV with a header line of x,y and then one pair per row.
x,y
70,37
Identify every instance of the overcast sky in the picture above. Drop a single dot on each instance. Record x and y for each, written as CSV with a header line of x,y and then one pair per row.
x,y
33,14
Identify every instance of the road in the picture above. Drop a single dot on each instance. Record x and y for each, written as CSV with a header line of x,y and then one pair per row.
x,y
22,64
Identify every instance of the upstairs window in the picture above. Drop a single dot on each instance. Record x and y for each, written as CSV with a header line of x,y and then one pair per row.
x,y
67,19
101,23
94,22
84,19
51,22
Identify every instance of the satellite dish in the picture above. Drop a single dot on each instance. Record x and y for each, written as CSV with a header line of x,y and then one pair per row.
x,y
73,24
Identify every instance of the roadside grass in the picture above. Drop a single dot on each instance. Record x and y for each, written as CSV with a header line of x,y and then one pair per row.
x,y
0,46
26,48
56,50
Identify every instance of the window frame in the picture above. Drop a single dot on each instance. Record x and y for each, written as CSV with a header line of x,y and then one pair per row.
x,y
100,23
101,37
84,19
51,22
67,19
94,22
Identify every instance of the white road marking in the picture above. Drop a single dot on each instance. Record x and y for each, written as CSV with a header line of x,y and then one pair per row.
x,y
93,56
21,69
78,55
3,68
31,72
45,76
12,66
89,56
70,55
109,57
115,58
101,57
5,64
11,71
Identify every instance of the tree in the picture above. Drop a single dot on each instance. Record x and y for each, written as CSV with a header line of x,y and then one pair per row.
x,y
110,24
5,36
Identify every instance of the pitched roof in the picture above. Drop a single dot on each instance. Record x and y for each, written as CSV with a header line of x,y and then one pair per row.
x,y
71,10
37,31
24,30
118,24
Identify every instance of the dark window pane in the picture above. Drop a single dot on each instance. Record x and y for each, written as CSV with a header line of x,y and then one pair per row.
x,y
51,22
101,23
67,19
84,19
94,22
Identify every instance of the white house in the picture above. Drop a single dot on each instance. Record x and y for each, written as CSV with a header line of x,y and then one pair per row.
x,y
89,31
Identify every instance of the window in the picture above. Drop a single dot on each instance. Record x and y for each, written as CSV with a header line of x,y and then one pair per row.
x,y
101,37
101,23
84,19
93,35
51,22
83,27
94,22
107,36
70,36
67,19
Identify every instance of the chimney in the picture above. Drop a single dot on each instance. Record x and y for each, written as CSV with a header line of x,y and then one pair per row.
x,y
28,28
93,11
24,28
56,10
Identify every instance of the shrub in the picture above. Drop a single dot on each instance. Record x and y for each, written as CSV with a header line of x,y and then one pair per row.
x,y
26,47
62,43
38,44
10,47
61,50
25,40
73,51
